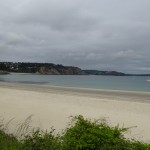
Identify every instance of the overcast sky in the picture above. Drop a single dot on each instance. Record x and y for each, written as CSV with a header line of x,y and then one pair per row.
x,y
90,34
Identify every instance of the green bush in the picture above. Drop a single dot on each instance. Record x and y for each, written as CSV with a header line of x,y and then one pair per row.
x,y
8,142
87,135
40,140
82,134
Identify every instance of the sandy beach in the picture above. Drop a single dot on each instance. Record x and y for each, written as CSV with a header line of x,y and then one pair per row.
x,y
52,106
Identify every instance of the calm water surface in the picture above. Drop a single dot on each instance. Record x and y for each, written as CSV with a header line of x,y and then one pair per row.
x,y
130,83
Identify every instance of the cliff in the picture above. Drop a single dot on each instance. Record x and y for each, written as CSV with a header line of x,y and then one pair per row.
x,y
51,69
40,68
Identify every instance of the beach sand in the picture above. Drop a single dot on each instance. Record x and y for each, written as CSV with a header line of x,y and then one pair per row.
x,y
52,106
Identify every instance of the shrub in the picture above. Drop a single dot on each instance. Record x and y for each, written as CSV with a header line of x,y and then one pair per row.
x,y
87,135
8,142
40,140
81,134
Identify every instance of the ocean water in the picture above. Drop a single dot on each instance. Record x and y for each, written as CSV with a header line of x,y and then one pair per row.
x,y
129,83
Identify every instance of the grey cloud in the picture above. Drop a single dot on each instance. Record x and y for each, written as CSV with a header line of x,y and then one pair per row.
x,y
99,34
58,15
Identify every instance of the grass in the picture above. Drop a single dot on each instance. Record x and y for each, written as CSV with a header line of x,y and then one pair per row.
x,y
81,134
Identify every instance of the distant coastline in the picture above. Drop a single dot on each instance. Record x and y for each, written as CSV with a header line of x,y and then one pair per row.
x,y
54,69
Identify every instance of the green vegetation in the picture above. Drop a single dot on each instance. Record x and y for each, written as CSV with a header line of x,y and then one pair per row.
x,y
81,134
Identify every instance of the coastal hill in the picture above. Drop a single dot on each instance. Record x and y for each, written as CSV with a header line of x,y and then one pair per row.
x,y
96,72
50,69
40,68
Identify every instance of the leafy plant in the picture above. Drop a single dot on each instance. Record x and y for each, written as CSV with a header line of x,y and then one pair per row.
x,y
40,140
81,134
85,134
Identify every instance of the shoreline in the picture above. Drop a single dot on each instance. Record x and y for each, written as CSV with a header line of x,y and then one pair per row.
x,y
51,106
132,96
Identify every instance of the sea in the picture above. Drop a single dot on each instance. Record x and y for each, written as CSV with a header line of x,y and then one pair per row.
x,y
127,83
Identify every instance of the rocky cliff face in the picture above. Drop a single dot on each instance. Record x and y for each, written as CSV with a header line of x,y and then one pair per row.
x,y
60,70
48,71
